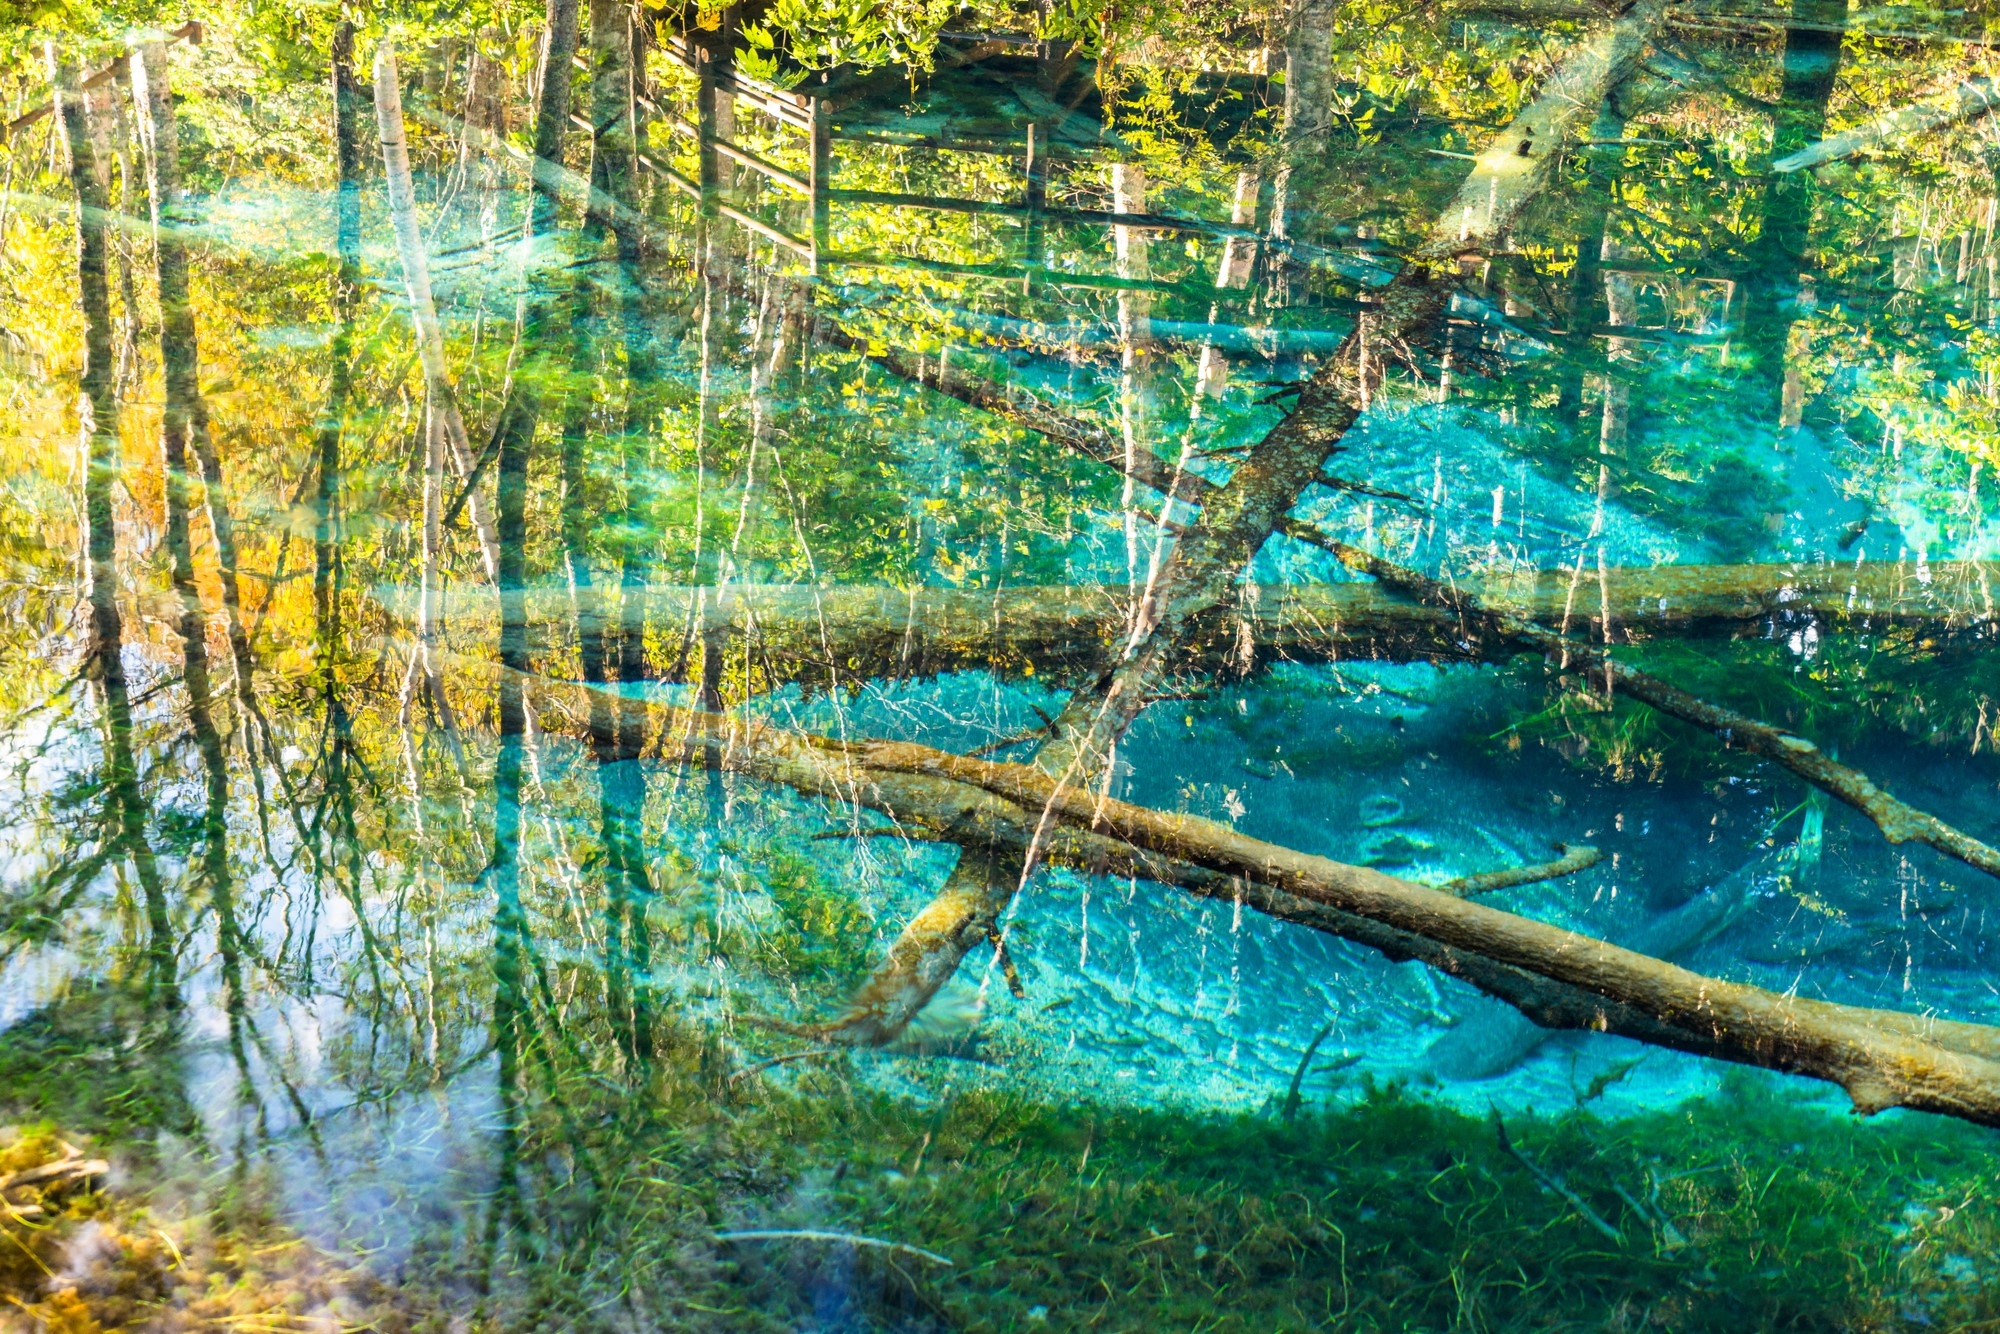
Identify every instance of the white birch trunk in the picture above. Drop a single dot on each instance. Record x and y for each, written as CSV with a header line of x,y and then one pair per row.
x,y
417,279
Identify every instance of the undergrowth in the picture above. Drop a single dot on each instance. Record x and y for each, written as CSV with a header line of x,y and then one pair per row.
x,y
1384,1211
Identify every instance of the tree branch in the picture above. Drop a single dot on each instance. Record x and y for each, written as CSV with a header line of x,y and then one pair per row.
x,y
1899,821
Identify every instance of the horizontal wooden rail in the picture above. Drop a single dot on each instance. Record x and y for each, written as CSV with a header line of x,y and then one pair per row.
x,y
765,230
932,203
771,169
1014,272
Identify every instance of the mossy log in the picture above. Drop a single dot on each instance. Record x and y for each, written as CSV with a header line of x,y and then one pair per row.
x,y
827,636
1056,631
1559,978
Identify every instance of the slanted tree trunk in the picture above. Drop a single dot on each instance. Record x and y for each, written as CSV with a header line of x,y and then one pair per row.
x,y
1559,978
1204,569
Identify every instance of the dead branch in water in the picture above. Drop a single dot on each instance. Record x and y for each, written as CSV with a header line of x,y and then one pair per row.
x,y
1899,821
1555,1185
1559,978
1488,882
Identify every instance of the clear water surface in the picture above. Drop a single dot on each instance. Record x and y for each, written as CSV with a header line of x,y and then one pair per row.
x,y
420,891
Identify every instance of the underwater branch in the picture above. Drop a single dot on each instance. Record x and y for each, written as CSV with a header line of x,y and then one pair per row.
x,y
1558,978
1899,821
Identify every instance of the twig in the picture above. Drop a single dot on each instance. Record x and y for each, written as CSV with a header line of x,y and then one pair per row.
x,y
1332,483
847,1238
1291,1107
1573,860
1005,958
1007,741
1554,1184
774,1061
71,1168
1671,1238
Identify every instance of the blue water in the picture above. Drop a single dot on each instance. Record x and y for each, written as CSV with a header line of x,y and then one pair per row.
x,y
453,969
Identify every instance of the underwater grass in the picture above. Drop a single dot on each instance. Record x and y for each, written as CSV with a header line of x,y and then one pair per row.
x,y
1397,1213
1384,1210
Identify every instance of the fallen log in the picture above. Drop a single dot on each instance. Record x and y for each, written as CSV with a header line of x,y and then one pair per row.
x,y
823,636
1974,97
1560,978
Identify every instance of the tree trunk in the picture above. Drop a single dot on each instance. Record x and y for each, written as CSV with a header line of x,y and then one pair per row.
x,y
417,281
185,418
347,278
521,407
125,813
100,426
1135,346
1811,68
1203,571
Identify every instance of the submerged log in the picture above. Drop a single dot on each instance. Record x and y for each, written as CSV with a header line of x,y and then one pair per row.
x,y
825,636
1559,978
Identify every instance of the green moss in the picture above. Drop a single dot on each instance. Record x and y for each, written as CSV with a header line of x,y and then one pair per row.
x,y
826,935
1392,1212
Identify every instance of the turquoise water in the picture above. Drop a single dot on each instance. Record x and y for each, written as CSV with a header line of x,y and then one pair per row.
x,y
448,878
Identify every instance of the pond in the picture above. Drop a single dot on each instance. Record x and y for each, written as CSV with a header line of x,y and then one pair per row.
x,y
1221,667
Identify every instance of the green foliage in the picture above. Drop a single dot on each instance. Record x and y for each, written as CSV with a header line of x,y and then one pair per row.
x,y
826,937
824,34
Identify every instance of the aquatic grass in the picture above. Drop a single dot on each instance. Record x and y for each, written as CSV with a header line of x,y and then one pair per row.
x,y
1382,1210
1386,1212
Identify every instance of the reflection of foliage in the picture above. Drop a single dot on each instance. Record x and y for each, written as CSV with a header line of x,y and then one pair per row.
x,y
823,34
100,1059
